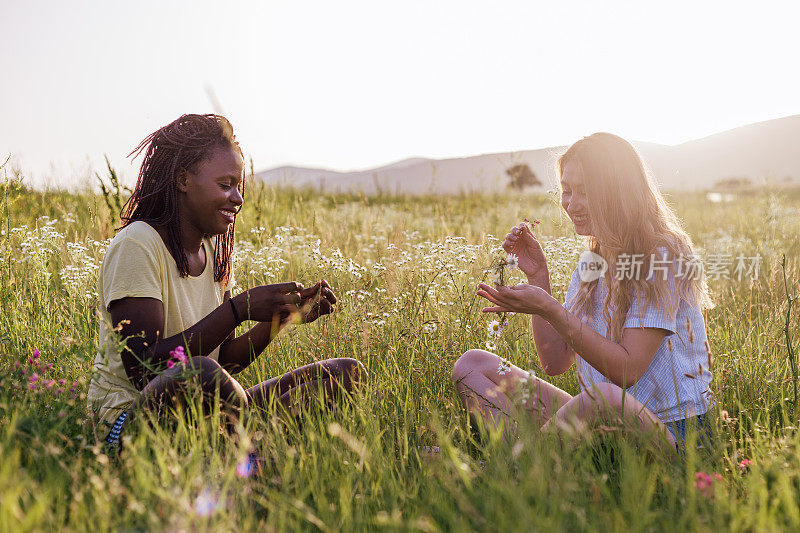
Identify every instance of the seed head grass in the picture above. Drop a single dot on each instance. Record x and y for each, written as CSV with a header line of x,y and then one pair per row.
x,y
406,271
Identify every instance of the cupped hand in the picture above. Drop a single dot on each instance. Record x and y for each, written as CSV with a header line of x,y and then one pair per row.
x,y
521,242
316,301
524,298
268,303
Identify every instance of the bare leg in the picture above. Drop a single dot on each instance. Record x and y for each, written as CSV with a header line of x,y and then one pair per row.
x,y
488,394
172,387
328,377
606,403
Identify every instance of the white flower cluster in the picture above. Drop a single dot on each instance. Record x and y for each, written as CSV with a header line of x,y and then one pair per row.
x,y
44,250
80,275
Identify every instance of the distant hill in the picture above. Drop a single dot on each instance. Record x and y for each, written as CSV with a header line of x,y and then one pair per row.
x,y
767,150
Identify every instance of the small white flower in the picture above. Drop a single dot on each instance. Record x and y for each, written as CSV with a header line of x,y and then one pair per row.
x,y
491,346
494,328
511,261
503,367
430,327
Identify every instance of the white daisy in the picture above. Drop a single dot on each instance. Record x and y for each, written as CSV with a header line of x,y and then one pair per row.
x,y
503,367
494,328
429,327
491,346
496,277
511,261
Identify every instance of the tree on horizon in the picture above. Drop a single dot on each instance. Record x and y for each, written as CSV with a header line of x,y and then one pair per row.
x,y
522,176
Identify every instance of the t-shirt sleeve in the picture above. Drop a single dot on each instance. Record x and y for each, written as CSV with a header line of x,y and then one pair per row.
x,y
130,270
654,314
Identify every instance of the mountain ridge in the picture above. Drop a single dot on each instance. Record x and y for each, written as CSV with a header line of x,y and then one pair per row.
x,y
758,151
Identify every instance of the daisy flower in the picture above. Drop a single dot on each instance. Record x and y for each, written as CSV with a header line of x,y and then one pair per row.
x,y
497,278
503,367
491,346
494,328
429,327
511,261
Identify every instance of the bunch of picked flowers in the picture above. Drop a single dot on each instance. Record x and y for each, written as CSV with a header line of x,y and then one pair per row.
x,y
495,328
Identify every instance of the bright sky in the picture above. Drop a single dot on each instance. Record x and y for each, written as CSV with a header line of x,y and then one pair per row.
x,y
355,84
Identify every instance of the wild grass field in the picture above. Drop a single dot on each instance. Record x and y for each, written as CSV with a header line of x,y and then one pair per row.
x,y
405,270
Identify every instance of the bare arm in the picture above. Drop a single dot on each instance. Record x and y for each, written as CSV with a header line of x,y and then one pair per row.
x,y
140,320
622,362
555,354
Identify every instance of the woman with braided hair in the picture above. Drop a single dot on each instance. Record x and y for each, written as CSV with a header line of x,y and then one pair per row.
x,y
165,289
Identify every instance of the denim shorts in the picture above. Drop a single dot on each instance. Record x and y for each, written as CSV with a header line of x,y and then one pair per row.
x,y
678,430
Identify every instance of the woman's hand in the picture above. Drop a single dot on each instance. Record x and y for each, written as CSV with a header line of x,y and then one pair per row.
x,y
528,299
316,301
531,260
268,303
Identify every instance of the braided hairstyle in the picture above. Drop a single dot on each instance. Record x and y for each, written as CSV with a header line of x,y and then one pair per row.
x,y
171,151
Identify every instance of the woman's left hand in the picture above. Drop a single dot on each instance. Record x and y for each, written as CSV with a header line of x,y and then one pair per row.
x,y
524,298
316,301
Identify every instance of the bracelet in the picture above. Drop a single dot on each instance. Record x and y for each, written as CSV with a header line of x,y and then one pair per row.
x,y
235,312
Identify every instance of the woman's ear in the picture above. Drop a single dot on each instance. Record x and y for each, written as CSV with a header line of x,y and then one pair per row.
x,y
183,180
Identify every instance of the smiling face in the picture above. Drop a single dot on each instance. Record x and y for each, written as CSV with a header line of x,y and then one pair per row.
x,y
573,198
212,194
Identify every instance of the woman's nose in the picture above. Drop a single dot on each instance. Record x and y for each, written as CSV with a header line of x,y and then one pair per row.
x,y
236,196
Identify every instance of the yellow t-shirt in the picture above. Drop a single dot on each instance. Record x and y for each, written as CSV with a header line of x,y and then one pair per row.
x,y
138,264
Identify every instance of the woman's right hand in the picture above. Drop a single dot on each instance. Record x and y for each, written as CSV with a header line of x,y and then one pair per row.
x,y
267,303
531,260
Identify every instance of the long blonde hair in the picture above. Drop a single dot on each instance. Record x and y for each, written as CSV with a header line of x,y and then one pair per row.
x,y
629,216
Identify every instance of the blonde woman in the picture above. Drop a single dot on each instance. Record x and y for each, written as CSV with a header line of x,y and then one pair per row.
x,y
635,328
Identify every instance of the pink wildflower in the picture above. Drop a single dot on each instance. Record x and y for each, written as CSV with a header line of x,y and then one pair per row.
x,y
33,377
36,354
705,483
744,463
179,354
170,364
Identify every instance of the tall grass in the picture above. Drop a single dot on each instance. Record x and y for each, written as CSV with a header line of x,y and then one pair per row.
x,y
405,270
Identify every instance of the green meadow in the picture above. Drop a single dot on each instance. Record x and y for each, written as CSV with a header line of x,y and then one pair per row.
x,y
401,454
